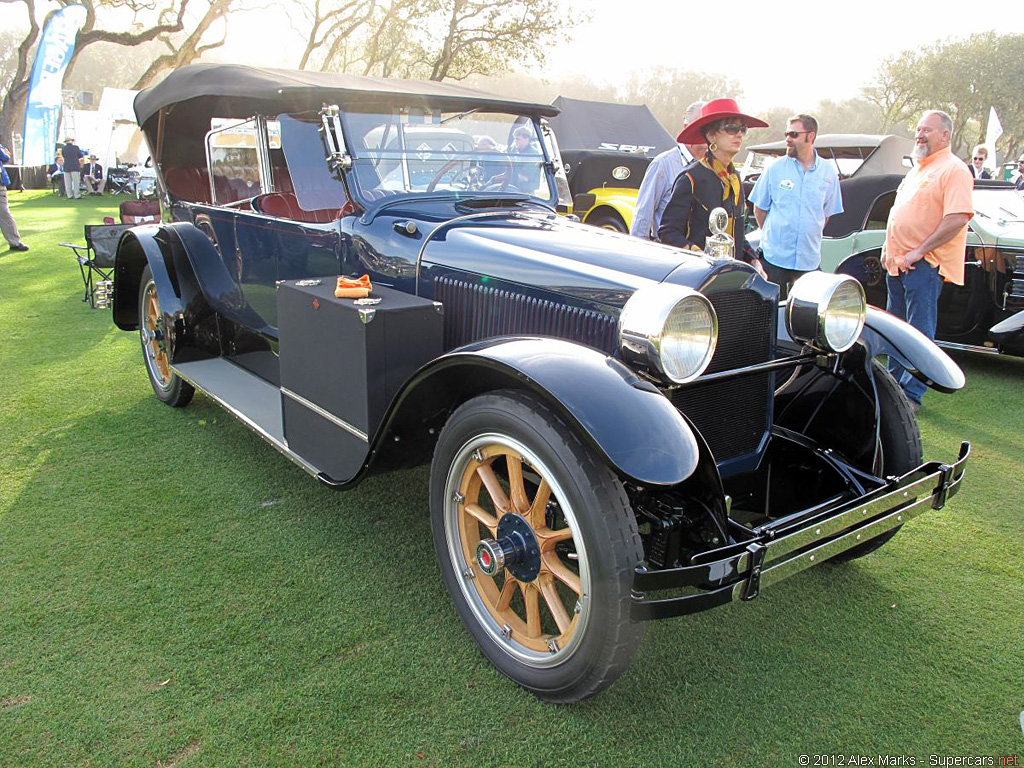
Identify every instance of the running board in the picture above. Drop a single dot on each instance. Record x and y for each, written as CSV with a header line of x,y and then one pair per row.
x,y
252,400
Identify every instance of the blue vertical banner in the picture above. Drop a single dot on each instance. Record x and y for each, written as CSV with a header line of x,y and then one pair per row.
x,y
44,91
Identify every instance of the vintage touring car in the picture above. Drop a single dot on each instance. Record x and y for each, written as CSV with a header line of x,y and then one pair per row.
x,y
607,419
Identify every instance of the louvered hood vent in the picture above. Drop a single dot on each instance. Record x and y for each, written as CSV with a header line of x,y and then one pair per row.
x,y
473,311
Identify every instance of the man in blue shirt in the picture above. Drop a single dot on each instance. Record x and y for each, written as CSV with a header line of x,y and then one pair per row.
x,y
793,201
661,175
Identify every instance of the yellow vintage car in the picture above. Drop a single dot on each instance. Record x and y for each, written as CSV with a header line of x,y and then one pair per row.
x,y
605,150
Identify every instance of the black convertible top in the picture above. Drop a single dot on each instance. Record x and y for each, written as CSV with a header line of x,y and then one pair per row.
x,y
615,127
299,89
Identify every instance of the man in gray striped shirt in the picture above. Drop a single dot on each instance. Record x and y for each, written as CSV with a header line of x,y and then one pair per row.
x,y
656,188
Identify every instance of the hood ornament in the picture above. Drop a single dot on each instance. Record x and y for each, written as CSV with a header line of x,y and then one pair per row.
x,y
719,245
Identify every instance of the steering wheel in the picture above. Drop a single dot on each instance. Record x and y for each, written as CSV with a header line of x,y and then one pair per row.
x,y
506,178
465,175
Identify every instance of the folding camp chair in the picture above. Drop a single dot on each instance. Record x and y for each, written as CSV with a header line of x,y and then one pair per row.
x,y
96,261
121,181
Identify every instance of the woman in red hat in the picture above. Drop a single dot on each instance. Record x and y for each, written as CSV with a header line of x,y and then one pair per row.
x,y
712,182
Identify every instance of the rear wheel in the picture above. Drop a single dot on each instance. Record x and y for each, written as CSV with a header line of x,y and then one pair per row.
x,y
537,545
899,443
157,340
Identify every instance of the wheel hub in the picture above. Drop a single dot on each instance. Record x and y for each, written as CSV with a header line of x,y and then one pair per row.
x,y
515,548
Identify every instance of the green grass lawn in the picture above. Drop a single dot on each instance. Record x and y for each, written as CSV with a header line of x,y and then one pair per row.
x,y
174,592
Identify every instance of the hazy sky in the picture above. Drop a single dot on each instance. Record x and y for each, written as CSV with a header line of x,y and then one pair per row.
x,y
788,53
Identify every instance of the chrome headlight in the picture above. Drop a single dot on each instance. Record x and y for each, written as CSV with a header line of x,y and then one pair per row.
x,y
826,311
669,329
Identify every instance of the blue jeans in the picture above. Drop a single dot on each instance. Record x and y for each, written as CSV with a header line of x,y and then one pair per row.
x,y
914,297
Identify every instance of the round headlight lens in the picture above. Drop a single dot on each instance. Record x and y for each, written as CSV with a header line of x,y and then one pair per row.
x,y
844,316
826,311
669,329
689,339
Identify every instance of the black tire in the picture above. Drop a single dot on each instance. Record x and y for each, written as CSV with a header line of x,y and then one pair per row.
x,y
608,220
900,442
585,577
157,344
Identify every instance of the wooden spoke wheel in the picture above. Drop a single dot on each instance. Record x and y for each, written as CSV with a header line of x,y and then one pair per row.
x,y
538,618
537,545
156,340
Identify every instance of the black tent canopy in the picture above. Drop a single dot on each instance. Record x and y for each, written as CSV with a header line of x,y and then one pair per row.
x,y
584,124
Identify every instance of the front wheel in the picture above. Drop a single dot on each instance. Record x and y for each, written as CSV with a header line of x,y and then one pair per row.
x,y
537,545
608,220
899,446
156,340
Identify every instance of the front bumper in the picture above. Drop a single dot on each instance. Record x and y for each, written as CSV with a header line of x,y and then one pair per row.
x,y
777,551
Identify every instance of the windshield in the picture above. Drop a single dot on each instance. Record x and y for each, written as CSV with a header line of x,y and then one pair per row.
x,y
471,153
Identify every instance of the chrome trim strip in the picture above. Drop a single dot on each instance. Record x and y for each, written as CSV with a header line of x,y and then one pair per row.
x,y
325,414
282,448
968,347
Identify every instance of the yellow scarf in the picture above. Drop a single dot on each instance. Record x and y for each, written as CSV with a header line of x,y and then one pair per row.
x,y
728,176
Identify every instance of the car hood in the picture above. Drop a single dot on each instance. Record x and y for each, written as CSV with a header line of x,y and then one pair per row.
x,y
551,252
999,216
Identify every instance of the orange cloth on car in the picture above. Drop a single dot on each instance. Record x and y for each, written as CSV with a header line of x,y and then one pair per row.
x,y
353,288
937,186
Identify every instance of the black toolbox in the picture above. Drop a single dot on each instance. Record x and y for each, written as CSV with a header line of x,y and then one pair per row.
x,y
343,362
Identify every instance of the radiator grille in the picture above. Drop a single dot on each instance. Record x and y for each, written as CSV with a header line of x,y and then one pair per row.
x,y
473,312
733,414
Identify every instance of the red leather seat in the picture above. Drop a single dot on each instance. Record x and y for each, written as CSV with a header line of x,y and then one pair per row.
x,y
284,205
191,184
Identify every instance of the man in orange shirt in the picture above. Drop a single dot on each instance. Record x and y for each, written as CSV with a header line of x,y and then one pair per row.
x,y
926,235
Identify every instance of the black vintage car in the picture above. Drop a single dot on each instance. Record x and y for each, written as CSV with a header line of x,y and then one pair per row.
x,y
618,430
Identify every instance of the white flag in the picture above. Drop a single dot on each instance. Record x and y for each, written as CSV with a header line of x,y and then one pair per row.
x,y
995,130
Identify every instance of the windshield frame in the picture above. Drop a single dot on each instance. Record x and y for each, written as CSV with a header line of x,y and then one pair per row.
x,y
404,118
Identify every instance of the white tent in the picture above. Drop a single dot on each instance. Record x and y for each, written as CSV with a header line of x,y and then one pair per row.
x,y
111,132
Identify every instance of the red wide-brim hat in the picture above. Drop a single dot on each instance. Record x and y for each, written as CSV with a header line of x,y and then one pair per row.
x,y
715,110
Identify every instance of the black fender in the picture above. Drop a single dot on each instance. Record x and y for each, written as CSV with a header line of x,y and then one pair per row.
x,y
628,421
885,334
137,248
190,276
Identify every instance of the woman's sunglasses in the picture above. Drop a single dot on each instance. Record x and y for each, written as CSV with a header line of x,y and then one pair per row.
x,y
732,129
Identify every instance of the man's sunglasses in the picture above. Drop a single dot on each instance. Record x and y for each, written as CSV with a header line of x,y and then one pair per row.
x,y
794,134
733,129
979,158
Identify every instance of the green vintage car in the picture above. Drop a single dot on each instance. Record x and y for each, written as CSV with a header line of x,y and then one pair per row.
x,y
986,313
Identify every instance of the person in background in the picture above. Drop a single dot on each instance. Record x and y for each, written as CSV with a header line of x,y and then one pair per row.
x,y
977,164
525,176
92,174
656,188
1019,183
55,173
793,201
72,169
7,225
926,236
711,182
